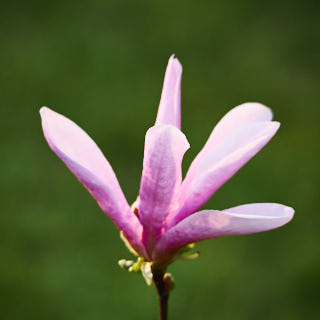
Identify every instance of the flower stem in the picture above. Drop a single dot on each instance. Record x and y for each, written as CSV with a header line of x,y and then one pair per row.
x,y
163,293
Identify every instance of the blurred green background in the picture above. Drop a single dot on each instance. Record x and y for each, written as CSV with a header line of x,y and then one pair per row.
x,y
101,63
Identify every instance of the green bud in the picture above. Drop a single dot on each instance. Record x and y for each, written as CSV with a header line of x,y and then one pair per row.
x,y
125,264
187,249
190,256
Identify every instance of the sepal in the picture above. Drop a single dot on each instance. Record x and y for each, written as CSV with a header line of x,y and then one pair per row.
x,y
139,266
147,272
187,253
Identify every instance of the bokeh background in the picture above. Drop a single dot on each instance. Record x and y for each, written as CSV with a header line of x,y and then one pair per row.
x,y
101,63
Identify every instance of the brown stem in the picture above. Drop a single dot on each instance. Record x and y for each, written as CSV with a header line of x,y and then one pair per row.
x,y
163,293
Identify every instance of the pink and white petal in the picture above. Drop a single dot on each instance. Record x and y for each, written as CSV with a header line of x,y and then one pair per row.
x,y
221,163
165,146
83,157
169,111
236,118
208,224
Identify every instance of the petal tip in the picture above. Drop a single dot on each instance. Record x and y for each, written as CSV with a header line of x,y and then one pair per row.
x,y
175,63
275,125
289,213
263,107
258,108
258,104
43,110
271,127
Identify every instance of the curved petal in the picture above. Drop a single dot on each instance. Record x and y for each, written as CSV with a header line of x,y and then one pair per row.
x,y
236,118
83,157
165,146
221,163
207,224
169,111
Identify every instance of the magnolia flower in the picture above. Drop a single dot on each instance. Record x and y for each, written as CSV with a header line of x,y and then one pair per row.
x,y
165,218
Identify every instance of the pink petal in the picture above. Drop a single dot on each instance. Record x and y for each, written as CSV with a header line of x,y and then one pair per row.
x,y
236,118
165,146
169,108
83,157
207,224
221,163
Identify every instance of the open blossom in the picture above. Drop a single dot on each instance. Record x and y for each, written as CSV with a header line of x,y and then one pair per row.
x,y
165,217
